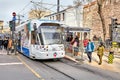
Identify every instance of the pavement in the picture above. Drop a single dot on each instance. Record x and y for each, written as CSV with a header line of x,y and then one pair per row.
x,y
115,67
84,59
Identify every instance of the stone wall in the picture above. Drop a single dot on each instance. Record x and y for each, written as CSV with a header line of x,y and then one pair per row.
x,y
92,19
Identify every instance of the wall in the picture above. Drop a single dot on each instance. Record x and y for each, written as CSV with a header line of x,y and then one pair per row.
x,y
92,19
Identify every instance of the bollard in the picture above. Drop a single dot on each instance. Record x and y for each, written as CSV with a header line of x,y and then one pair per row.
x,y
110,57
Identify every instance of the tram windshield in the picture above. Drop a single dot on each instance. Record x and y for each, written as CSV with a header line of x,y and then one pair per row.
x,y
51,35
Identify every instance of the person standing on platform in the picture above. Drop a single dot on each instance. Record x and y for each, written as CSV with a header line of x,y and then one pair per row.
x,y
76,46
9,47
5,43
1,42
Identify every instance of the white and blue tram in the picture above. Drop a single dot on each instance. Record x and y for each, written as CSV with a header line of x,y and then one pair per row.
x,y
40,39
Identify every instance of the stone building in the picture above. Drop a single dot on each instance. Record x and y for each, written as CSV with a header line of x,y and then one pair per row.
x,y
110,9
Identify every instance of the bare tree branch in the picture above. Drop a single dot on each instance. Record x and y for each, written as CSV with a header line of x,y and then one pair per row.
x,y
100,3
37,12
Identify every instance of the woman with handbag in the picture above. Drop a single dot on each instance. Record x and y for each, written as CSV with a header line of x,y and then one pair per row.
x,y
76,46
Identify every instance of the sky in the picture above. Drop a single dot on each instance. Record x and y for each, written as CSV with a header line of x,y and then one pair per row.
x,y
7,7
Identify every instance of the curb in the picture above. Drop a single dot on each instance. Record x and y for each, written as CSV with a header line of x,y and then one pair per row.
x,y
70,58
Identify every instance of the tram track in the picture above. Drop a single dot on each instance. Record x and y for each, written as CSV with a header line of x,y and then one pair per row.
x,y
75,66
92,70
58,71
62,66
66,63
39,64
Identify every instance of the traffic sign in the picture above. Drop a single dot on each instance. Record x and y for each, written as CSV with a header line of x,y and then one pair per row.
x,y
14,14
14,18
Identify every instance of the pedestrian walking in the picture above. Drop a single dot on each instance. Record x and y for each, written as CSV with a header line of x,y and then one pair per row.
x,y
100,52
76,46
111,55
9,47
89,49
1,42
5,43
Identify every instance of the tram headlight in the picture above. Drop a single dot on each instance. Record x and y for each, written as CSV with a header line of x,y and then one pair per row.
x,y
46,46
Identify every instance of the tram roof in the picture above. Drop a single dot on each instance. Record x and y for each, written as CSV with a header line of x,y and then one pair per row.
x,y
37,21
77,29
40,21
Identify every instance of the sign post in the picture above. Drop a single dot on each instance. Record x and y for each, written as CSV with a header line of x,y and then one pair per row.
x,y
13,34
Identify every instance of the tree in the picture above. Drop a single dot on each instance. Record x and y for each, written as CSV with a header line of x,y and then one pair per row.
x,y
37,12
77,3
100,4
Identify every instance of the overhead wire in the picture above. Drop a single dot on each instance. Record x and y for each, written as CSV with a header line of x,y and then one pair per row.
x,y
40,4
24,8
53,5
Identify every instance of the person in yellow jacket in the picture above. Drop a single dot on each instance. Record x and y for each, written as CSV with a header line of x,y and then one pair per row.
x,y
9,47
100,52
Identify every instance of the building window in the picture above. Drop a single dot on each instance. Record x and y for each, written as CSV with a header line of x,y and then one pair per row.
x,y
63,16
56,17
53,18
59,17
50,18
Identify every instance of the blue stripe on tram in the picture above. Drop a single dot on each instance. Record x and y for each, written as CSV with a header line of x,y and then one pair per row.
x,y
26,51
18,48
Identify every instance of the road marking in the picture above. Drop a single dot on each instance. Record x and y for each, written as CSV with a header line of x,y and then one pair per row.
x,y
13,63
33,71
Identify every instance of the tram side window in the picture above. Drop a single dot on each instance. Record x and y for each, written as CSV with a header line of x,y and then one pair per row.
x,y
69,37
33,37
41,39
19,39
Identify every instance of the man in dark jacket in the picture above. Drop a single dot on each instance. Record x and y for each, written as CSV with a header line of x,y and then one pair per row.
x,y
1,41
5,43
